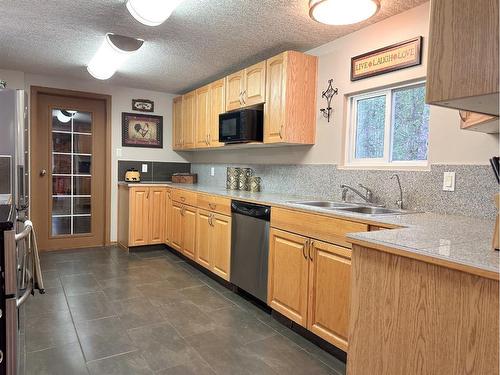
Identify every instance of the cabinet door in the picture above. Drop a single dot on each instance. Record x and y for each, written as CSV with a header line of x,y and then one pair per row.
x,y
218,106
188,119
176,239
168,218
157,213
254,88
221,245
177,123
202,117
275,99
203,236
234,89
189,231
329,292
139,216
288,275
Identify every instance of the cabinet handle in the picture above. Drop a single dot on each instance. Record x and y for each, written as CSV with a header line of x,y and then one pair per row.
x,y
147,196
212,206
182,211
210,220
183,199
304,249
311,246
281,131
243,96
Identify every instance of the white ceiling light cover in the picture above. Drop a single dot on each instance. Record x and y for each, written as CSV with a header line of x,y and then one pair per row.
x,y
152,12
342,12
113,52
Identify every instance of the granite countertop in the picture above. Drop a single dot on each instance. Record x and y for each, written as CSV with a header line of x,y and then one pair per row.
x,y
452,241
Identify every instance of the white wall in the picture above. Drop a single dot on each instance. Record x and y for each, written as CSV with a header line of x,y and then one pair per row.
x,y
121,102
447,143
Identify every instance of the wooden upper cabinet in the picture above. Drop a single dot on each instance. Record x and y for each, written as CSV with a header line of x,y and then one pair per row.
x,y
462,67
202,122
157,203
139,216
288,275
254,87
217,106
234,90
188,119
177,123
290,108
329,292
221,245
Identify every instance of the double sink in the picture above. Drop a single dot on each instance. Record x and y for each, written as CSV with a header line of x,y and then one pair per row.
x,y
358,208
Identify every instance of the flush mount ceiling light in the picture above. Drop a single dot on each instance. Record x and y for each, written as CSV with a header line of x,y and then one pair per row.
x,y
342,12
152,12
112,54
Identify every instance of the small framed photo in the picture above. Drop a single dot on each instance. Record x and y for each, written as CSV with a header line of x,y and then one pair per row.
x,y
142,130
143,105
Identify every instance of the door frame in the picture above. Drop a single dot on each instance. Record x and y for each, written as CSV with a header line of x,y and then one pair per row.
x,y
35,91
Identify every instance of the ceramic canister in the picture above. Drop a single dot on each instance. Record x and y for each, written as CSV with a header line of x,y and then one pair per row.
x,y
232,177
244,178
255,184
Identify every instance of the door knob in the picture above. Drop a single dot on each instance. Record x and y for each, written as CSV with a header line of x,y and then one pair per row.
x,y
43,172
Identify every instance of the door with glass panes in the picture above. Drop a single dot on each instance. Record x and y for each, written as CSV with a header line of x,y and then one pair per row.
x,y
68,146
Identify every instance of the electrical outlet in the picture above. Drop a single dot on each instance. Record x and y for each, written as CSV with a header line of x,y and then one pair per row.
x,y
212,171
449,181
144,168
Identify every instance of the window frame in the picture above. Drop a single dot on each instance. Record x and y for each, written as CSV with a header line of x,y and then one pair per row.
x,y
385,161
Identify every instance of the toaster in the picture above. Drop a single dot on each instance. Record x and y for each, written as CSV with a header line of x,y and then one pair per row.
x,y
132,175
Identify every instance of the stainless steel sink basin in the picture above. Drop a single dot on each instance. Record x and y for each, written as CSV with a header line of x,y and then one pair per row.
x,y
367,210
325,204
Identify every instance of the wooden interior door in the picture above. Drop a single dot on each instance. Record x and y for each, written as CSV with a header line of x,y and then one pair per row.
x,y
202,117
288,275
254,91
188,119
329,292
221,245
275,99
218,106
203,236
234,89
68,153
177,123
157,202
189,231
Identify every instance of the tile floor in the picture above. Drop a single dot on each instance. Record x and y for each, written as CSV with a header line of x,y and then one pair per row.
x,y
110,312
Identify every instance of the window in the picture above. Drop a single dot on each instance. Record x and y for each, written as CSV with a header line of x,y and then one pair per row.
x,y
388,128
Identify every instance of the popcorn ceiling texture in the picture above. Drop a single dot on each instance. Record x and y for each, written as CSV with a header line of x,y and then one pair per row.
x,y
202,40
475,185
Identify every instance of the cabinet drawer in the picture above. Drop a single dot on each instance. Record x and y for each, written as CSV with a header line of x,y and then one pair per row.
x,y
328,229
214,203
184,197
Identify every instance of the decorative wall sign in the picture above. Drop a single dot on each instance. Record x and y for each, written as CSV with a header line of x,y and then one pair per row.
x,y
328,94
388,59
143,105
142,130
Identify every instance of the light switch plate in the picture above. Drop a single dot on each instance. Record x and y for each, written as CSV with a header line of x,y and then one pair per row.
x,y
144,168
212,171
118,152
449,181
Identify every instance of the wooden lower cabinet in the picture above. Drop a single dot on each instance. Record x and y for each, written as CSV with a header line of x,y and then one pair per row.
x,y
168,218
138,216
309,282
213,242
157,214
288,275
329,292
176,227
183,229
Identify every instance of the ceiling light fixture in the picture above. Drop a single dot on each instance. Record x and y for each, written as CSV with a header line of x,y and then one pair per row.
x,y
112,54
342,12
152,12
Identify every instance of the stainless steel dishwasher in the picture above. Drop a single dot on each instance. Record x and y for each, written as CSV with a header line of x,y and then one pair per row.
x,y
250,247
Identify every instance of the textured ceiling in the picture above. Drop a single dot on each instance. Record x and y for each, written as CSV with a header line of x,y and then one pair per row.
x,y
203,39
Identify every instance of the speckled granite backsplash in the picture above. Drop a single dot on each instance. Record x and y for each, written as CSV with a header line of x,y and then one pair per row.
x,y
473,196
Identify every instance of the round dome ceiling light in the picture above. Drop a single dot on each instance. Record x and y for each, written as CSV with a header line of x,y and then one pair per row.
x,y
342,12
152,12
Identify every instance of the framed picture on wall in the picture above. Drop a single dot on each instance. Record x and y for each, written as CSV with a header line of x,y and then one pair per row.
x,y
143,105
142,130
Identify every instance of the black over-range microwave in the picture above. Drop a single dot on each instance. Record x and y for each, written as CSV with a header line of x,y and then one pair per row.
x,y
241,126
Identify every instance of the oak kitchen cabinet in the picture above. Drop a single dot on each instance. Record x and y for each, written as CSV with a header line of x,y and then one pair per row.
x,y
177,124
462,67
188,120
300,255
217,106
184,222
246,87
202,124
141,215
